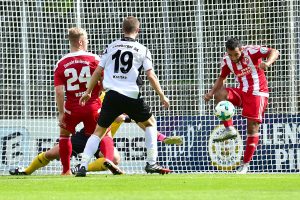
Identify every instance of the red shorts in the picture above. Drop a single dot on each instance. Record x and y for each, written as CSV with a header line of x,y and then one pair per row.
x,y
87,114
253,106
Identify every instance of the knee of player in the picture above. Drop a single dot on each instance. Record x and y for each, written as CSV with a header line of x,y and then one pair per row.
x,y
221,95
252,128
150,122
51,155
117,158
117,161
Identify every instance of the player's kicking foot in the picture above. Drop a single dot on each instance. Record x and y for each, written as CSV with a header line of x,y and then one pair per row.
x,y
112,167
17,171
229,133
173,140
81,172
243,169
156,168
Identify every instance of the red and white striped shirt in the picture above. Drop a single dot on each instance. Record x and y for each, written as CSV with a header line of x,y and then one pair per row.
x,y
250,77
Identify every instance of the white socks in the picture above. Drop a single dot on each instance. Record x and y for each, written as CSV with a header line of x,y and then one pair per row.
x,y
90,149
151,144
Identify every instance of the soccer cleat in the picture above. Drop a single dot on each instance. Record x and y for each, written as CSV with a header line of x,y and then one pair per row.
x,y
243,169
173,140
156,168
75,169
229,133
81,172
112,167
17,171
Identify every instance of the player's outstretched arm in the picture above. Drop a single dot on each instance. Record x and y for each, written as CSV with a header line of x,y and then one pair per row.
x,y
93,82
218,85
156,86
272,57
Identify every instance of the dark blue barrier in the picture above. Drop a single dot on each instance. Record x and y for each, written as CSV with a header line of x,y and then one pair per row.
x,y
278,151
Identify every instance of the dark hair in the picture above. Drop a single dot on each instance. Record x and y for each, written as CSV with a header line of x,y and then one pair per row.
x,y
233,43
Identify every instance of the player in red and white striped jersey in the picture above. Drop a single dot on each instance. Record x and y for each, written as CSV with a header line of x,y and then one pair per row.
x,y
246,63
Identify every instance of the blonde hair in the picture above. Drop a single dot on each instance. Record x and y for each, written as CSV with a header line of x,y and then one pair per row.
x,y
75,33
130,24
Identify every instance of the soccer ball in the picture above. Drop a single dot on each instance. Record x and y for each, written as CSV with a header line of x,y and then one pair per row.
x,y
224,110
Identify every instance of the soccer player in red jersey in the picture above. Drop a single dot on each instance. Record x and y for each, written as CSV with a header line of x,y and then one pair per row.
x,y
71,75
246,63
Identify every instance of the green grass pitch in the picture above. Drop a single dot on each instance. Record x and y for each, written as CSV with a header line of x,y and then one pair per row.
x,y
152,187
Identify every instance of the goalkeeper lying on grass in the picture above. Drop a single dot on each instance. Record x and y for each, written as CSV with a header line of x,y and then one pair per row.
x,y
79,140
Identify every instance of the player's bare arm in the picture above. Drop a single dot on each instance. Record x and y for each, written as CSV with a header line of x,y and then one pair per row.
x,y
59,97
217,85
156,86
93,82
272,57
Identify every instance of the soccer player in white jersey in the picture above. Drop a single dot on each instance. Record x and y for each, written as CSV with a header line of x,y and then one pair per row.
x,y
122,63
246,63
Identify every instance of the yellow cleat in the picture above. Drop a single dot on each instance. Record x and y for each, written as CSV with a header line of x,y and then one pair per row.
x,y
173,140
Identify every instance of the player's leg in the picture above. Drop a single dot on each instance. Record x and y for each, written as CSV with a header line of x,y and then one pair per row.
x,y
104,162
151,139
79,141
101,164
65,151
253,110
233,95
108,150
98,164
114,127
89,150
112,165
107,115
43,159
39,161
107,145
151,144
221,95
140,112
71,118
110,156
251,144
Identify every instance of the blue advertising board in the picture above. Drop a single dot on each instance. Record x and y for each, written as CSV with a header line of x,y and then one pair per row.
x,y
278,149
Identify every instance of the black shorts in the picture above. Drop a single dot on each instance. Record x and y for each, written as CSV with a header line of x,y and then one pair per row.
x,y
115,104
79,140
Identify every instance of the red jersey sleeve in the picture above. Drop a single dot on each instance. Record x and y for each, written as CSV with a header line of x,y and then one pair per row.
x,y
259,52
225,71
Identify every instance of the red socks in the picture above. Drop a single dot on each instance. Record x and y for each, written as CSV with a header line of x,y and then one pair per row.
x,y
107,148
251,144
228,123
65,152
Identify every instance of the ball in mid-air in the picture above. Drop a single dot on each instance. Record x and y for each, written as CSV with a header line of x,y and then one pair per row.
x,y
224,110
